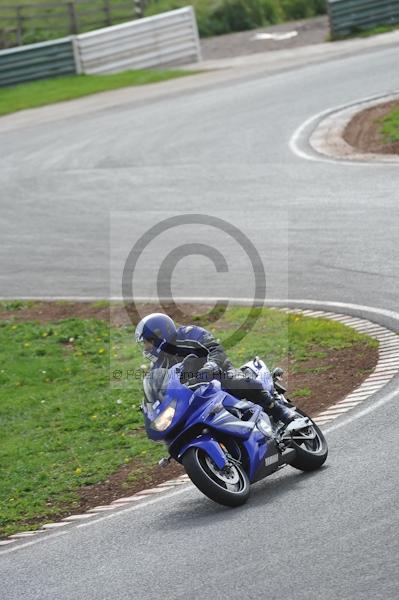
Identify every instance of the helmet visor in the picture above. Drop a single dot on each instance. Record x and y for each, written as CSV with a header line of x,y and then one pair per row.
x,y
150,352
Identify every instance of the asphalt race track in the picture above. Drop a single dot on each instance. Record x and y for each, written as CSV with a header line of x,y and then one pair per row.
x,y
77,193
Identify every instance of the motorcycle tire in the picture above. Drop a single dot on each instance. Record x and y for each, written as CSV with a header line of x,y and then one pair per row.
x,y
310,455
214,483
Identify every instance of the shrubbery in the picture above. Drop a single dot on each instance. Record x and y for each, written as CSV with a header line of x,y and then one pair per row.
x,y
224,16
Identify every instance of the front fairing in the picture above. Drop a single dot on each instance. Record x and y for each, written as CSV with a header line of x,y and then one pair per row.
x,y
260,372
180,403
173,394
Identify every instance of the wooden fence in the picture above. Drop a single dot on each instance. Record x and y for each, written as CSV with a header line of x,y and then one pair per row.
x,y
28,23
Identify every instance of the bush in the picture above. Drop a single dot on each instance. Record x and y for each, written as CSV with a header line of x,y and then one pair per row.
x,y
302,9
240,15
215,17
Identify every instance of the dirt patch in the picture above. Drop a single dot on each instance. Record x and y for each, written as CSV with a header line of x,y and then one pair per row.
x,y
118,485
362,133
117,315
309,32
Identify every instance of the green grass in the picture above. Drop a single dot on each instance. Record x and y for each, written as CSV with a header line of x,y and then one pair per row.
x,y
62,424
367,32
304,392
49,91
389,128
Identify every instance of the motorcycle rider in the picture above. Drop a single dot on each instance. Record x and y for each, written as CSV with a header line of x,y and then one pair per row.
x,y
165,345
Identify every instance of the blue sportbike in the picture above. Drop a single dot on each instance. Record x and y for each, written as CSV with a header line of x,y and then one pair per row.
x,y
226,444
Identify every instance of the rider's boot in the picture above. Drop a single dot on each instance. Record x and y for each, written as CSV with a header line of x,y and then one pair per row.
x,y
282,413
279,411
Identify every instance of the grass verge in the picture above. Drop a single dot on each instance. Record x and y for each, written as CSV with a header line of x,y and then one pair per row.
x,y
366,33
50,91
64,428
389,126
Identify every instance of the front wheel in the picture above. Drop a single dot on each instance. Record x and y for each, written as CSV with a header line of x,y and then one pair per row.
x,y
229,487
310,447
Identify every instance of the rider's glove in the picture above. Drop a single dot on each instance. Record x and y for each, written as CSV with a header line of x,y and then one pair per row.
x,y
209,371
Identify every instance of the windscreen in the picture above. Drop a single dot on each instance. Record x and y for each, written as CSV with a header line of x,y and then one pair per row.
x,y
155,385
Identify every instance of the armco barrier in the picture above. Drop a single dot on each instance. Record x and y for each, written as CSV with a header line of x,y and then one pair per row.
x,y
166,39
350,16
37,61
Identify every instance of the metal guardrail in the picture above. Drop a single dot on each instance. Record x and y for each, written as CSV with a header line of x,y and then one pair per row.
x,y
351,16
166,39
37,61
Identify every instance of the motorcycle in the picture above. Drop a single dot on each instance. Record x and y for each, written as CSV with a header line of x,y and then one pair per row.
x,y
226,444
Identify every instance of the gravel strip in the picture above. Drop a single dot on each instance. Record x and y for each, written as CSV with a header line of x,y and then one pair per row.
x,y
310,31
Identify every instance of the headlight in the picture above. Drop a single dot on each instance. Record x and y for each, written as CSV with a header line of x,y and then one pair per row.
x,y
163,420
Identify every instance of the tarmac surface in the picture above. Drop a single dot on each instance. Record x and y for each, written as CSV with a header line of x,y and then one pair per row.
x,y
81,183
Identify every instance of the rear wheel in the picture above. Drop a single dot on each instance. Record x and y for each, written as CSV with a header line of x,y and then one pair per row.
x,y
229,486
310,446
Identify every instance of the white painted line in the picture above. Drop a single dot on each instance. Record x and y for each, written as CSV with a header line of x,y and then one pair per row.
x,y
277,37
165,486
363,393
368,386
342,318
5,543
358,415
368,390
54,525
347,403
357,396
150,491
127,499
379,377
353,322
78,517
101,509
388,362
334,411
375,387
386,369
384,374
388,358
373,327
178,482
136,506
37,540
391,345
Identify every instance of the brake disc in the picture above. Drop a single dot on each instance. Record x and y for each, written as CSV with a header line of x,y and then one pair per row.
x,y
231,476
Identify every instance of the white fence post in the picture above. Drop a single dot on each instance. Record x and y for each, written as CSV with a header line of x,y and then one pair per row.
x,y
76,55
164,40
